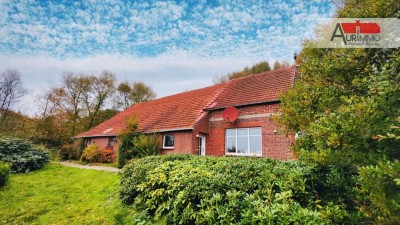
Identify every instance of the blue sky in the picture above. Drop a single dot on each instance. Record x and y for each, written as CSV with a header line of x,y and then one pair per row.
x,y
172,45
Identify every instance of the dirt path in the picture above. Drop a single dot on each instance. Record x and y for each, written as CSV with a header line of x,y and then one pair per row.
x,y
105,168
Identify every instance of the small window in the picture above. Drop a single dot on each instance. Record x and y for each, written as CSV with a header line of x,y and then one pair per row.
x,y
88,141
111,142
168,141
243,141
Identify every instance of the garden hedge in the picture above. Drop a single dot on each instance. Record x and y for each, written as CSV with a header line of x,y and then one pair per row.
x,y
4,173
21,155
206,190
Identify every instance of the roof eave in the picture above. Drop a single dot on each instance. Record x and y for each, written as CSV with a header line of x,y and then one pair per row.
x,y
96,135
245,104
144,132
168,130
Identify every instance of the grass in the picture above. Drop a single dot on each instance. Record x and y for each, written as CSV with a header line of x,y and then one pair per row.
x,y
63,195
114,164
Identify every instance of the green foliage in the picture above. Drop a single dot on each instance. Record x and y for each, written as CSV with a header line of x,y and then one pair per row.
x,y
345,97
205,190
256,68
126,137
4,173
22,156
72,150
137,170
379,192
146,145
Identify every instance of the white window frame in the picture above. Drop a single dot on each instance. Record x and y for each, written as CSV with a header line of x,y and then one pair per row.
x,y
168,147
248,142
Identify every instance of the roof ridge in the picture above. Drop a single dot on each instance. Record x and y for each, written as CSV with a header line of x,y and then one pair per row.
x,y
264,72
212,100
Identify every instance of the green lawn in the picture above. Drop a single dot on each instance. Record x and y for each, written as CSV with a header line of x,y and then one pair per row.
x,y
63,195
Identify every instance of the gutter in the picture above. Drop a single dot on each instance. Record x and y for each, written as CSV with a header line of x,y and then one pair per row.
x,y
147,132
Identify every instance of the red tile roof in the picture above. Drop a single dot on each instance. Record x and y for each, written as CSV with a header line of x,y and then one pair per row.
x,y
184,110
257,88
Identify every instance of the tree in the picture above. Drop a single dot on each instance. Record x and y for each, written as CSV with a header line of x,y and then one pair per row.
x,y
260,67
53,123
345,97
278,64
11,90
99,90
133,93
73,90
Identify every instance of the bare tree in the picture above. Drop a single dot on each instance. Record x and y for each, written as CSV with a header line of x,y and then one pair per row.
x,y
76,87
11,90
95,96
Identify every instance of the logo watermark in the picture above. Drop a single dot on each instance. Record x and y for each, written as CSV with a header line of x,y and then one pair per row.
x,y
357,33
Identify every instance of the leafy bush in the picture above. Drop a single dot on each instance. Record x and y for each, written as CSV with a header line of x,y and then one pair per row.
x,y
107,155
4,173
126,136
205,190
22,156
136,172
379,192
146,145
93,153
72,150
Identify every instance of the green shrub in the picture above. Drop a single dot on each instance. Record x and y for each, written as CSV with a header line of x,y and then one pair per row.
x,y
146,145
206,190
22,156
72,150
137,170
126,136
379,192
4,173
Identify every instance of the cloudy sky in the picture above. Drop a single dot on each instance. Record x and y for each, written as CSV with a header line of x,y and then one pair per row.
x,y
172,45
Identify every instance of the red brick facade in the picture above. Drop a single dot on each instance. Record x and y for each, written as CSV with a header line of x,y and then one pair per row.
x,y
274,144
195,113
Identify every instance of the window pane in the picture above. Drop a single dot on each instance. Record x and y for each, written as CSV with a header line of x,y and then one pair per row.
x,y
243,132
255,145
168,141
255,131
231,144
231,132
242,144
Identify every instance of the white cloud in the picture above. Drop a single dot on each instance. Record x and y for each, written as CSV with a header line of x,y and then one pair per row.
x,y
167,74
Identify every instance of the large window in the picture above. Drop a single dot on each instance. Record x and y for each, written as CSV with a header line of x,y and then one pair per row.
x,y
168,141
243,141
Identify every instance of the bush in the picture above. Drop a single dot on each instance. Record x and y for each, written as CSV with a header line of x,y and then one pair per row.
x,y
22,156
379,192
206,190
145,145
137,170
71,151
93,153
4,173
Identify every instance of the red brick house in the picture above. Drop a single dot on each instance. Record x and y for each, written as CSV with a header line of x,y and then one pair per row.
x,y
192,122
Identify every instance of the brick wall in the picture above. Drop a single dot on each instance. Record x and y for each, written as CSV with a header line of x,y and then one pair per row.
x,y
200,128
274,145
182,142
